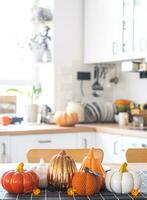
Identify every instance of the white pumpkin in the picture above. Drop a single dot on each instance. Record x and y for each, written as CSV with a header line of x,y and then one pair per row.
x,y
122,181
42,171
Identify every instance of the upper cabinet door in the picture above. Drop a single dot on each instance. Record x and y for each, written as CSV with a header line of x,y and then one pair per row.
x,y
140,25
102,30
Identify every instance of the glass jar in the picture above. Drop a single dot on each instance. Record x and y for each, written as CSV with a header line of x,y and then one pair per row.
x,y
138,121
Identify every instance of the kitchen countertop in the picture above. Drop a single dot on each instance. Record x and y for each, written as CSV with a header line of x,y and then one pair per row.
x,y
26,129
109,128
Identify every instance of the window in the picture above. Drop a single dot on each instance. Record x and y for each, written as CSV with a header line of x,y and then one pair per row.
x,y
17,66
15,61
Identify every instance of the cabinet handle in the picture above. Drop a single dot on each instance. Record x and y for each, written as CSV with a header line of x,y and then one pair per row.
x,y
4,148
85,142
114,148
144,145
142,44
3,156
114,48
44,141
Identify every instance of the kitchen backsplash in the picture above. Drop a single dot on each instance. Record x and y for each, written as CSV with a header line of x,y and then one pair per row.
x,y
69,87
131,87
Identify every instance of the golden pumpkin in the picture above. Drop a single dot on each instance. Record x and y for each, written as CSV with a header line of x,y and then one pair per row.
x,y
61,170
66,118
94,164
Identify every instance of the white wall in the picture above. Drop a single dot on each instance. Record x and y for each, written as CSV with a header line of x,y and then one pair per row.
x,y
131,87
68,55
68,33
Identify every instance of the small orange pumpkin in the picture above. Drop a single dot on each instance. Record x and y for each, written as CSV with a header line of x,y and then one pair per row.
x,y
94,164
20,180
84,183
66,118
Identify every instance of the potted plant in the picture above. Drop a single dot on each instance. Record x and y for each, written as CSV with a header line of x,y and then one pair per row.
x,y
31,110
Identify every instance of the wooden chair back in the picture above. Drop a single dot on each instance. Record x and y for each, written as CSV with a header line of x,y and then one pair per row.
x,y
8,104
34,155
136,155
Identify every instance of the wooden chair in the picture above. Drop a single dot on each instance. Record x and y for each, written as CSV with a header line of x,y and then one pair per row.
x,y
34,155
136,155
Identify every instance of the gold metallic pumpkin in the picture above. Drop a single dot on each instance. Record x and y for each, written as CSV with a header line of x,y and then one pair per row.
x,y
61,170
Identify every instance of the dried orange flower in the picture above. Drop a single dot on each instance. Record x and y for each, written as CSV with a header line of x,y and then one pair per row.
x,y
71,191
135,192
36,192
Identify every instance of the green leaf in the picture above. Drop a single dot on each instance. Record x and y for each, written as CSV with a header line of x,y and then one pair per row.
x,y
15,90
33,94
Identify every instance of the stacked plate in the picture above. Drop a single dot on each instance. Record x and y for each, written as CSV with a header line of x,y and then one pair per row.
x,y
99,112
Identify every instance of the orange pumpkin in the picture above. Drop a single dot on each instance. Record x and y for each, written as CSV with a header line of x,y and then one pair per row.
x,y
20,180
66,118
84,183
94,164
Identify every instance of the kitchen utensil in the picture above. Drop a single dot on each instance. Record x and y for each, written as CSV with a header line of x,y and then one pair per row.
x,y
45,110
104,72
95,94
45,114
96,85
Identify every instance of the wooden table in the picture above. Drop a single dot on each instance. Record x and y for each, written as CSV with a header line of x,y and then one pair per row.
x,y
58,195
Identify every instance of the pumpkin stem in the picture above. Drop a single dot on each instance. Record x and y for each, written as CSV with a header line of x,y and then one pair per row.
x,y
62,153
91,153
20,167
123,168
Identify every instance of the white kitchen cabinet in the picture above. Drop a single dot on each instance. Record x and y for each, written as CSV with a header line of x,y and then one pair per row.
x,y
102,30
115,146
20,144
132,142
140,25
4,149
86,140
111,145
